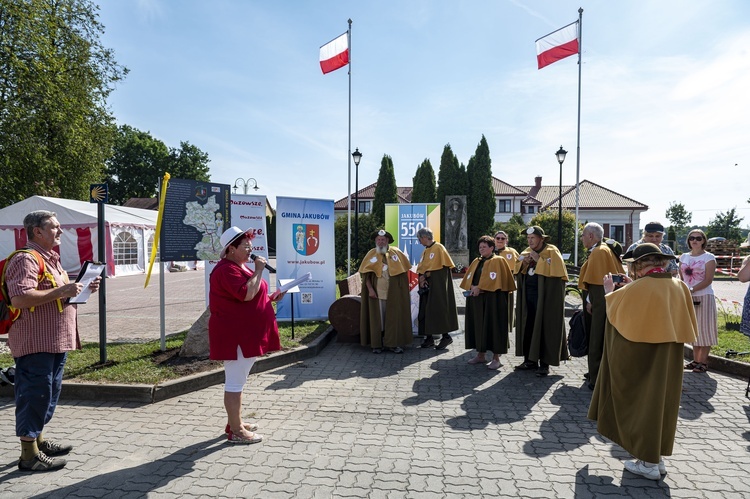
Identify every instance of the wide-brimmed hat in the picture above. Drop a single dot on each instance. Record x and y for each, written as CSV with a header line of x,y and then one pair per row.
x,y
614,246
382,232
535,229
228,237
642,250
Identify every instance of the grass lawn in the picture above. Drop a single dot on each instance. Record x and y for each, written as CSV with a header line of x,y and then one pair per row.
x,y
132,363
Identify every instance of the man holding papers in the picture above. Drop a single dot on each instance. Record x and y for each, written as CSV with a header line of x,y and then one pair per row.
x,y
41,337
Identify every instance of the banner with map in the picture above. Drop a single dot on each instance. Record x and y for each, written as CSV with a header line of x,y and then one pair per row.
x,y
195,215
304,240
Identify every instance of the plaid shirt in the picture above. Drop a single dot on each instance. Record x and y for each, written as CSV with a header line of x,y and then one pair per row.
x,y
45,329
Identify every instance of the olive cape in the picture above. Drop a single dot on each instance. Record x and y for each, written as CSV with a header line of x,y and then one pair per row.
x,y
437,307
398,326
548,335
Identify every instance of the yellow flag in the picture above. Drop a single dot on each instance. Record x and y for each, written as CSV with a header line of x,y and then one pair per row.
x,y
155,248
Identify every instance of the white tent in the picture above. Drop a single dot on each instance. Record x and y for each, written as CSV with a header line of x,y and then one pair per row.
x,y
129,233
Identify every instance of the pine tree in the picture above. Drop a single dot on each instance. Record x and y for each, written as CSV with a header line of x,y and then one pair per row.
x,y
480,206
423,187
385,190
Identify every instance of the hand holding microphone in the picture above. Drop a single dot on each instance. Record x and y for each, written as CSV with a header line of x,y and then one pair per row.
x,y
270,269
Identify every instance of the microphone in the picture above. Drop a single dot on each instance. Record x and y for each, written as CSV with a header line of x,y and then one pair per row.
x,y
270,269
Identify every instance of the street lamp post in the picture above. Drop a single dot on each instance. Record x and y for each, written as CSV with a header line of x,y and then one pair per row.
x,y
245,183
357,157
560,158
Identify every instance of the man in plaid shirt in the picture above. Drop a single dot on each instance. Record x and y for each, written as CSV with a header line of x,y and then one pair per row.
x,y
40,338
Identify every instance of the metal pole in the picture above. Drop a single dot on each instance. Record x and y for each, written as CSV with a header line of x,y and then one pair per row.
x,y
559,211
349,162
578,144
102,287
356,210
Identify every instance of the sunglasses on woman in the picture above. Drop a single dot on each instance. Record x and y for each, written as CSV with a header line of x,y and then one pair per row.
x,y
695,238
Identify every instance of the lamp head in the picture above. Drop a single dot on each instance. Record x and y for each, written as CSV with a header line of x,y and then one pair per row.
x,y
561,155
357,156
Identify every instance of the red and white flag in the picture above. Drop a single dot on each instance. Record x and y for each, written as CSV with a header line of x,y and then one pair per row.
x,y
557,45
335,54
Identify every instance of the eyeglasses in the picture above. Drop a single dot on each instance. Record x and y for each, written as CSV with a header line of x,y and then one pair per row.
x,y
501,238
695,238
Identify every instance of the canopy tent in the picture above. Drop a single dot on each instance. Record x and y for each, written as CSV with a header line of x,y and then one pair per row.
x,y
129,233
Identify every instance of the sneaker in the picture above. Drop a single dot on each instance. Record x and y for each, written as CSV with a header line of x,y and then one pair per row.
x,y
233,438
41,462
396,350
51,448
644,469
428,343
444,342
662,467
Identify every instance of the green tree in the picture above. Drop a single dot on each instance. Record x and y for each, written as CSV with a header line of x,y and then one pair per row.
x,y
452,180
367,226
678,216
385,190
423,184
55,76
548,220
139,161
726,225
480,206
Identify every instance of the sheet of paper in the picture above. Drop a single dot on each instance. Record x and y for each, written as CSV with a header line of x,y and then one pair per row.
x,y
88,273
286,285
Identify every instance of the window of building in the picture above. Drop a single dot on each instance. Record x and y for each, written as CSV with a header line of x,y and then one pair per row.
x,y
364,206
126,249
504,205
617,232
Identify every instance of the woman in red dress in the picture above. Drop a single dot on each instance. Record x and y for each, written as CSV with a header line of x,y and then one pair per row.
x,y
242,325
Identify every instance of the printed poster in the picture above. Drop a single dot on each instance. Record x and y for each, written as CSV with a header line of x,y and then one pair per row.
x,y
305,243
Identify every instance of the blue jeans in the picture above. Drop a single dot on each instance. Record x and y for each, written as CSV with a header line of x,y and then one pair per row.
x,y
37,389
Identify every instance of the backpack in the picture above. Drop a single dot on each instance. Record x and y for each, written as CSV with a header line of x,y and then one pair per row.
x,y
578,337
8,313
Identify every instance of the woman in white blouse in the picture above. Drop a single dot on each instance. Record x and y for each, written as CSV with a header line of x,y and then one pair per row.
x,y
697,269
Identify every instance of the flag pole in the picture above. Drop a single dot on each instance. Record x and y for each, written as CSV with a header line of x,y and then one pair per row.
x,y
349,162
578,140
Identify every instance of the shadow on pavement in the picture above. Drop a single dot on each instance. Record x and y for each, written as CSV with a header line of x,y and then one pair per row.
x,y
352,361
588,485
697,391
138,480
569,428
509,400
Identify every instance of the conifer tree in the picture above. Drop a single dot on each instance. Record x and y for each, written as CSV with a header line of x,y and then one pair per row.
x,y
480,206
451,180
385,190
423,187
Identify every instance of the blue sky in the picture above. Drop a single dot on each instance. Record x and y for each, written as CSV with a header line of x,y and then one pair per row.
x,y
664,92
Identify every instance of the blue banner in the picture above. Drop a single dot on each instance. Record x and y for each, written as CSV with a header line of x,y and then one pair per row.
x,y
305,243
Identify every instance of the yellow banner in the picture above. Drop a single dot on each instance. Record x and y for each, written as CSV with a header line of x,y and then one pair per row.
x,y
155,247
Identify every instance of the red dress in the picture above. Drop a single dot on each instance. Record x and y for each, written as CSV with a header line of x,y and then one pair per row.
x,y
249,324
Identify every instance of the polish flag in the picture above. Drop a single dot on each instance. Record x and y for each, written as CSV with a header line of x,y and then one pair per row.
x,y
557,45
335,54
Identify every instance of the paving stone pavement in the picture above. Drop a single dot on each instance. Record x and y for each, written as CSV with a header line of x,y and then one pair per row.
x,y
423,424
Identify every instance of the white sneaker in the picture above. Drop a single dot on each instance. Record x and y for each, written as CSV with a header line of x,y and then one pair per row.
x,y
644,469
662,467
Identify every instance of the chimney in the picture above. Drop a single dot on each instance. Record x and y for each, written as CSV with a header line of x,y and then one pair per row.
x,y
538,182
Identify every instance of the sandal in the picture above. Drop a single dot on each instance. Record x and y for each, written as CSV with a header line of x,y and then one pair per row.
x,y
700,368
691,365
